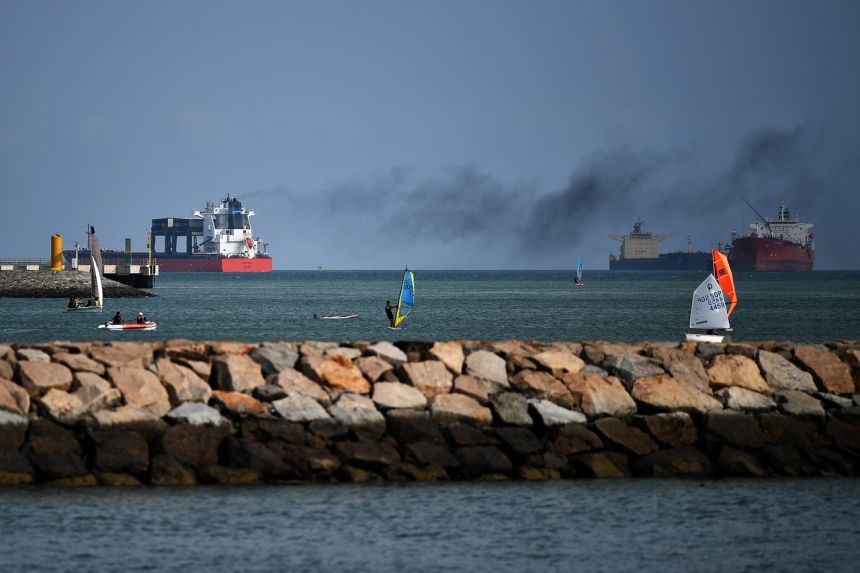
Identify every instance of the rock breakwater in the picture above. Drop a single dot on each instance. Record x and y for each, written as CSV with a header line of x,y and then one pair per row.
x,y
59,284
181,412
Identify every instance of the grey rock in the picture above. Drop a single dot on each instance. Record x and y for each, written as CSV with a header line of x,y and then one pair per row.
x,y
299,408
33,355
487,365
387,352
10,419
328,428
550,414
781,374
799,404
592,369
629,367
709,349
269,393
395,395
511,408
275,358
834,400
358,414
737,398
196,414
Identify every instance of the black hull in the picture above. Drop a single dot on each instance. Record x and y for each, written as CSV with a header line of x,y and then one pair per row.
x,y
666,262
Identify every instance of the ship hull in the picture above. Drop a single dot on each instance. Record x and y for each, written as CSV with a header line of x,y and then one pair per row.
x,y
767,254
186,264
679,261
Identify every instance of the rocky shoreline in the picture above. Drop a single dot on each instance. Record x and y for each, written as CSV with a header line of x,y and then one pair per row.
x,y
60,284
181,412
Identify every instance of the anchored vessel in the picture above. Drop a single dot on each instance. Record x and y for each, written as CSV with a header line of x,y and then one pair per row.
x,y
639,253
781,244
217,239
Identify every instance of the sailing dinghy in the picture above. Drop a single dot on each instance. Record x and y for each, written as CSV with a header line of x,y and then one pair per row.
x,y
406,300
578,280
713,302
96,268
134,326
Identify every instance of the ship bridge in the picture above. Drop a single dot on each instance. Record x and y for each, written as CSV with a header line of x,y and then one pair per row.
x,y
639,244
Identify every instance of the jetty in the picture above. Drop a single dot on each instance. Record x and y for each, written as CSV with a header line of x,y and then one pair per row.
x,y
59,284
181,412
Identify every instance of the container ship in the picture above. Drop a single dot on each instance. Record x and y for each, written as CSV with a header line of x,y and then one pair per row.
x,y
218,239
639,252
781,244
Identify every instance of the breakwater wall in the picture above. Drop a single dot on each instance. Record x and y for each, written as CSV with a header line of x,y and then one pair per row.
x,y
181,412
60,284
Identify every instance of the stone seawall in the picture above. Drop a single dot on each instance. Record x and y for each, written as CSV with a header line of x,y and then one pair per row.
x,y
181,412
60,284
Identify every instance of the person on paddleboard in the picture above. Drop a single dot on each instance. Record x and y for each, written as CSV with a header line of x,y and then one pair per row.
x,y
140,318
117,318
389,312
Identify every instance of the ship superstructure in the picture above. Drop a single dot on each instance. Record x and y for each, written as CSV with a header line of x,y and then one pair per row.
x,y
640,251
780,244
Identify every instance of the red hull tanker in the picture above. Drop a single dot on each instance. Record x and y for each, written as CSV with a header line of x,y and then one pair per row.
x,y
781,244
207,265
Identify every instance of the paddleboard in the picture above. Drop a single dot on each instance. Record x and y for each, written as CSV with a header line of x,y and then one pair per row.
x,y
144,326
345,317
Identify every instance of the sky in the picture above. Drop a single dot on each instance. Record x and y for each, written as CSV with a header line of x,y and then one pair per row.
x,y
443,135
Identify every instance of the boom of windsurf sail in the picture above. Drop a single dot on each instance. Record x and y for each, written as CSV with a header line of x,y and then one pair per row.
x,y
407,297
723,273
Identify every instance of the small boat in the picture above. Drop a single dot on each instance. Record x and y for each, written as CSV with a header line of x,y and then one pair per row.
x,y
713,301
337,317
578,279
406,300
96,291
134,326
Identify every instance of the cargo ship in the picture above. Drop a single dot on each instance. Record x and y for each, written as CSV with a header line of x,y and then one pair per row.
x,y
781,244
639,252
218,239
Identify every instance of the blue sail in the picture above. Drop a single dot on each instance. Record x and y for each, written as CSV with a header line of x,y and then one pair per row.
x,y
579,270
407,297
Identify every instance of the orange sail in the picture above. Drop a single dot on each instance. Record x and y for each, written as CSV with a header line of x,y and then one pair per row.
x,y
723,272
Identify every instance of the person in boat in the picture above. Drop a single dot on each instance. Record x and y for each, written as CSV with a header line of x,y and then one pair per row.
x,y
71,302
389,312
89,302
140,318
315,315
117,318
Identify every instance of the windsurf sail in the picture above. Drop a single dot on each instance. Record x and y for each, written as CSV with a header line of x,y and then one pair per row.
x,y
723,272
407,297
579,270
709,306
96,269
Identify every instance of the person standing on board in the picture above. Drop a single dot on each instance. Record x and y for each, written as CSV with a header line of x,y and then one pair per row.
x,y
388,311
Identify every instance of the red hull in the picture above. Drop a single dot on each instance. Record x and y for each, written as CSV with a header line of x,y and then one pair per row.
x,y
206,265
766,254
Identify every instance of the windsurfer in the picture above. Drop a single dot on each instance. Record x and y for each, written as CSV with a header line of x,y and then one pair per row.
x,y
389,312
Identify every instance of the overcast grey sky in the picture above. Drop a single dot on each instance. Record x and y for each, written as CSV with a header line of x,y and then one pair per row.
x,y
477,134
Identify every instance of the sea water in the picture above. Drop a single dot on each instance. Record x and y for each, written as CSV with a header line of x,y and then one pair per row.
x,y
478,305
580,525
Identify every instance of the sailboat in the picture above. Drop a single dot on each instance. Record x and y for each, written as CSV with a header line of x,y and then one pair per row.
x,y
713,301
96,290
578,280
406,300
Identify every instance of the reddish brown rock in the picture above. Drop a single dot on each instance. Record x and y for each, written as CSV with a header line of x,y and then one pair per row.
x,y
626,437
558,362
576,438
182,384
387,395
448,409
186,350
450,354
236,373
201,368
734,370
598,396
680,462
293,381
61,407
132,354
94,392
13,398
228,347
831,374
665,393
373,367
80,363
6,370
336,372
128,419
544,385
240,404
487,365
477,388
601,465
675,429
140,388
39,377
430,377
368,454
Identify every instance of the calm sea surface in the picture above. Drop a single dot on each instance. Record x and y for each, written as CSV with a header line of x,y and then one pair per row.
x,y
624,525
482,305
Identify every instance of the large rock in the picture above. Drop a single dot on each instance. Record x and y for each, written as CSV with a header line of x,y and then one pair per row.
x,y
240,405
6,370
336,372
373,367
410,426
558,362
665,393
141,388
483,460
196,414
193,445
576,438
520,441
94,392
13,398
54,451
62,407
128,418
831,374
448,409
511,408
80,363
480,389
536,384
430,377
299,408
735,370
388,352
684,367
598,396
550,415
675,429
358,414
741,430
799,404
680,462
294,382
165,471
450,354
627,437
275,358
33,355
182,383
601,464
236,373
389,395
121,452
739,463
737,398
39,377
782,374
368,454
430,454
487,365
630,367
345,351
132,354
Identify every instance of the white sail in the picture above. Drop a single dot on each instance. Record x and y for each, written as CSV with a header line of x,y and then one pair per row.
x,y
96,269
709,306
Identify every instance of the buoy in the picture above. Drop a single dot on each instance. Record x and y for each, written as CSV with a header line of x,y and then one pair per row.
x,y
57,252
